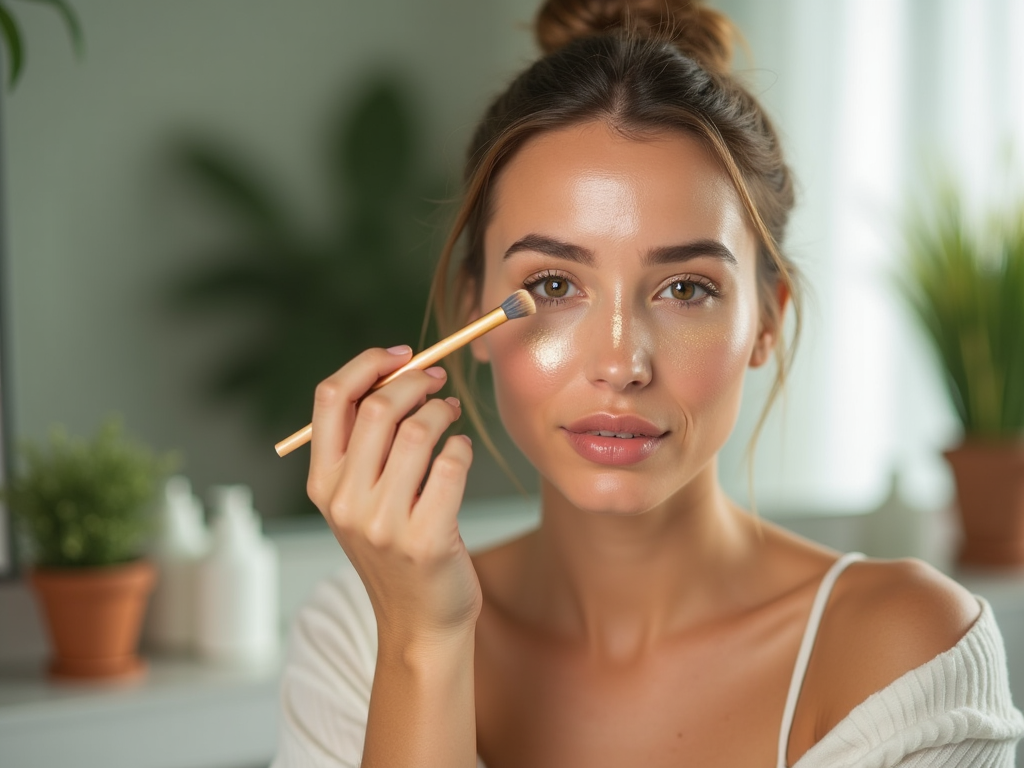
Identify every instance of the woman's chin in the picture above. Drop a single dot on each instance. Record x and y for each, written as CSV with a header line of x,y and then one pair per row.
x,y
608,495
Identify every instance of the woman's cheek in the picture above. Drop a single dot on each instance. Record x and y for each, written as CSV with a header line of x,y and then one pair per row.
x,y
705,363
537,353
532,360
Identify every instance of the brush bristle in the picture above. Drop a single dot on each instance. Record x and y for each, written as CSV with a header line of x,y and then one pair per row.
x,y
519,304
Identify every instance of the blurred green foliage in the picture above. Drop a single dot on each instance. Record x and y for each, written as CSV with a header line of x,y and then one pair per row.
x,y
10,34
966,286
87,503
303,303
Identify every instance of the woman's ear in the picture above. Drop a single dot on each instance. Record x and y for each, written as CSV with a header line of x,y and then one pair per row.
x,y
768,335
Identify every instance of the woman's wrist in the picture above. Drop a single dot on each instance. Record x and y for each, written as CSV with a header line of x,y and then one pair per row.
x,y
426,652
422,707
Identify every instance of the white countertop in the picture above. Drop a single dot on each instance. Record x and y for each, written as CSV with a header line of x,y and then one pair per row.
x,y
185,713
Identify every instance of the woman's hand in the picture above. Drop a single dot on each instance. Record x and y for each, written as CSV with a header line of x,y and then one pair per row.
x,y
368,460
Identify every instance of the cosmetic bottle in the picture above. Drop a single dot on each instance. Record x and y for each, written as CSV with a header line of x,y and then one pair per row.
x,y
182,541
238,593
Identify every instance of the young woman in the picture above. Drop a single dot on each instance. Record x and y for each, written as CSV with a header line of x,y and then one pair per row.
x,y
639,193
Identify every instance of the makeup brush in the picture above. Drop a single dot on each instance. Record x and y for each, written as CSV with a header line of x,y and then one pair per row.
x,y
519,304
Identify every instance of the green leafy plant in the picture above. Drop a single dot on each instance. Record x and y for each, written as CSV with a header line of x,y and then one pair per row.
x,y
303,303
966,286
10,34
87,503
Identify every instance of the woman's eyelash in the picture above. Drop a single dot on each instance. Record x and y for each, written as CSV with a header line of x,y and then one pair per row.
x,y
531,282
701,282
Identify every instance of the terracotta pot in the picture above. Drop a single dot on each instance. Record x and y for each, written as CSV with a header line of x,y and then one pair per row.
x,y
95,616
990,495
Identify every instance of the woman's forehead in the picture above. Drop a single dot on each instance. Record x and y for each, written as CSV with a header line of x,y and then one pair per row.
x,y
592,183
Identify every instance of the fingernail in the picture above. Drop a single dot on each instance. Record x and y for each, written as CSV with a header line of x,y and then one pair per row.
x,y
401,349
466,438
437,372
453,401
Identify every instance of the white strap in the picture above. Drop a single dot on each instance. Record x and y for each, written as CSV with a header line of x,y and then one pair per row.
x,y
806,645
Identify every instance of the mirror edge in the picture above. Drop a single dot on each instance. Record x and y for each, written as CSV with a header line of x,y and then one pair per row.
x,y
8,559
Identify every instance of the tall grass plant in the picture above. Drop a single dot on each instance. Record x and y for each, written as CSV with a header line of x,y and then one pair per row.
x,y
965,284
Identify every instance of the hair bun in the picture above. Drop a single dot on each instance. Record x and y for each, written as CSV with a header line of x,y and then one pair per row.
x,y
702,33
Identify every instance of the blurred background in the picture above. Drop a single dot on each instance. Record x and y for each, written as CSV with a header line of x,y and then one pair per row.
x,y
221,202
206,143
191,246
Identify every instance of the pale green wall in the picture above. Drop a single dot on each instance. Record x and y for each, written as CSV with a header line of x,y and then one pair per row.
x,y
94,226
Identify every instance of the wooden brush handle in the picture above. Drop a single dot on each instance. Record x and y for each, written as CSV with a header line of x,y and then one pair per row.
x,y
423,360
294,440
445,347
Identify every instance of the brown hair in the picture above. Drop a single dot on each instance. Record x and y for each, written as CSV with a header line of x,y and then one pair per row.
x,y
643,67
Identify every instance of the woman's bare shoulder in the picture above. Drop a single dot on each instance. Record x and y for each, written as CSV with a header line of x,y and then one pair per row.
x,y
885,618
903,611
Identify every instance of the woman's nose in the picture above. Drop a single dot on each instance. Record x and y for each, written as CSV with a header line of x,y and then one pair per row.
x,y
618,354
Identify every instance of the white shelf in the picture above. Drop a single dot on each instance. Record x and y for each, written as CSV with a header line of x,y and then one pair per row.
x,y
185,713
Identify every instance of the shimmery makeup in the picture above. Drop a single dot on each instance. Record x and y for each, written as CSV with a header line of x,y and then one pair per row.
x,y
691,348
617,318
549,348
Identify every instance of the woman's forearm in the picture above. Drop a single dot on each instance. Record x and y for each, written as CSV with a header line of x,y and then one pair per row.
x,y
422,708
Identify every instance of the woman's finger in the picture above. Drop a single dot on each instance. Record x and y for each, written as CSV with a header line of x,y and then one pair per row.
x,y
411,450
334,410
377,418
442,494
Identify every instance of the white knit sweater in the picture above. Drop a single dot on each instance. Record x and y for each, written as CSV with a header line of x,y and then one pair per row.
x,y
955,710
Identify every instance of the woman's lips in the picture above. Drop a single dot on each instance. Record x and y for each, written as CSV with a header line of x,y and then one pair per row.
x,y
626,439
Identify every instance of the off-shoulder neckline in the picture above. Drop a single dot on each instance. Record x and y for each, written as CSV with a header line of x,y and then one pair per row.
x,y
983,624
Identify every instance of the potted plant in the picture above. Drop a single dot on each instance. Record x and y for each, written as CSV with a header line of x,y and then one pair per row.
x,y
966,286
84,509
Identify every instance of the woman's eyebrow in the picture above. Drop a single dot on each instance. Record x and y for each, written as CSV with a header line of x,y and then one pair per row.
x,y
668,254
552,247
673,253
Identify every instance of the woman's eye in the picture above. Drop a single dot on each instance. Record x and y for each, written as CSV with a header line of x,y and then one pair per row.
x,y
685,290
553,287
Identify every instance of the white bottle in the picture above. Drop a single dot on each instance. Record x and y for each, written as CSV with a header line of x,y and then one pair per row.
x,y
238,595
181,543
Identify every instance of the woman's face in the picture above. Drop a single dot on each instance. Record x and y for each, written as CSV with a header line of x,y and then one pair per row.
x,y
643,267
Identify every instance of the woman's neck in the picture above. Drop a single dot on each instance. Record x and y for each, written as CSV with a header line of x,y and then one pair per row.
x,y
621,584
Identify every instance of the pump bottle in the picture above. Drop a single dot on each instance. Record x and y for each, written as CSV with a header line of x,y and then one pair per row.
x,y
238,590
